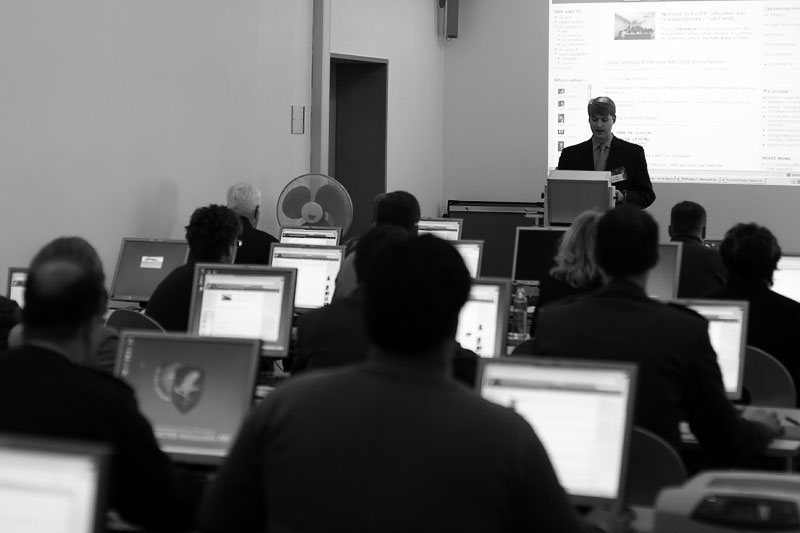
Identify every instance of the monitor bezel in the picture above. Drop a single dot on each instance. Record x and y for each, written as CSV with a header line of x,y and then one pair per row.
x,y
630,369
784,255
314,228
98,453
460,224
501,321
11,272
286,306
520,229
112,295
342,251
247,392
477,242
745,305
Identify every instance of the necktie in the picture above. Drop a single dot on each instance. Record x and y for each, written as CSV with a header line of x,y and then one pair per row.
x,y
599,164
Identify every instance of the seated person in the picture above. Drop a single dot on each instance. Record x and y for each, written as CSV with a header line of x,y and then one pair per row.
x,y
394,445
245,200
576,271
212,234
47,389
702,270
678,371
398,208
9,316
751,254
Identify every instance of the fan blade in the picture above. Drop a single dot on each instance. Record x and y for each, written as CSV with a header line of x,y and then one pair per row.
x,y
330,198
294,201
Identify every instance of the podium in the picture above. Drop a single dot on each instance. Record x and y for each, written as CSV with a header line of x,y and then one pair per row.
x,y
568,193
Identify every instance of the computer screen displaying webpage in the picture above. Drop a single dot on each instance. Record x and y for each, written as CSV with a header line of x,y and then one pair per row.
x,y
707,87
478,321
16,286
786,279
317,268
580,415
449,230
471,254
725,330
316,236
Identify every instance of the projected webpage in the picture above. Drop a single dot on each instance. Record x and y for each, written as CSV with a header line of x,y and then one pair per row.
x,y
478,321
786,279
242,306
317,268
708,87
726,332
569,408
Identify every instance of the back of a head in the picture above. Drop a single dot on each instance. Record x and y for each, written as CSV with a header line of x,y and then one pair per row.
x,y
371,242
627,242
602,106
398,208
211,232
243,199
750,253
413,295
575,259
64,289
687,218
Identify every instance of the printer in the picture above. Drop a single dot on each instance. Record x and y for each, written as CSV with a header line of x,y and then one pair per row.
x,y
731,501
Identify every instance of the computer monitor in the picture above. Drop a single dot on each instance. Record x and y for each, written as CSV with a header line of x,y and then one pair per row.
x,y
318,236
196,391
727,329
568,193
472,254
142,264
317,268
244,301
535,251
448,229
581,411
712,243
15,290
662,280
483,322
52,485
786,279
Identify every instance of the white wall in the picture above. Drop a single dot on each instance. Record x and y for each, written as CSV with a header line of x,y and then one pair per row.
x,y
120,117
495,125
405,33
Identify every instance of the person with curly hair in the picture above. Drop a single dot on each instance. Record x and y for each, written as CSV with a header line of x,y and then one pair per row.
x,y
213,236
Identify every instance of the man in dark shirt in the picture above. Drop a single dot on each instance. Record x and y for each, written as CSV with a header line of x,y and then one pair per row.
x,y
702,270
48,389
245,200
212,234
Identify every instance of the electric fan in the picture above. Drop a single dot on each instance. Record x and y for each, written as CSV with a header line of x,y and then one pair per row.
x,y
315,200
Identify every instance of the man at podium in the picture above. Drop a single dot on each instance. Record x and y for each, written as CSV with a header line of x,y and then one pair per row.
x,y
603,151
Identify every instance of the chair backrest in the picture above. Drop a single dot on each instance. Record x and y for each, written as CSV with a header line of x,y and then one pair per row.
x,y
767,380
122,319
652,465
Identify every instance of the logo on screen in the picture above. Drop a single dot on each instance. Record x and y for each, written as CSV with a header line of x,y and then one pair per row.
x,y
179,384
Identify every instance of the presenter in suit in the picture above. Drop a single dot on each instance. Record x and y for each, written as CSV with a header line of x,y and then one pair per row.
x,y
603,151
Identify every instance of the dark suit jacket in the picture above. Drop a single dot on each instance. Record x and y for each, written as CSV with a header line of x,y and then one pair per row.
x,y
42,393
255,245
679,378
773,323
170,302
622,154
702,270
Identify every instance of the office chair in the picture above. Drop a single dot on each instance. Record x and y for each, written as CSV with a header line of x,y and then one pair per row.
x,y
122,319
652,465
767,381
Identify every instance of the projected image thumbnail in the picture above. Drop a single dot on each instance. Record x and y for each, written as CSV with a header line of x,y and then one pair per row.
x,y
634,26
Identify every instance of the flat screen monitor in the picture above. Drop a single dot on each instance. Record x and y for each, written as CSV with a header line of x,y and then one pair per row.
x,y
568,193
535,252
786,279
244,301
448,229
52,485
15,289
142,264
581,411
196,391
662,280
472,254
317,268
727,329
311,235
483,322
